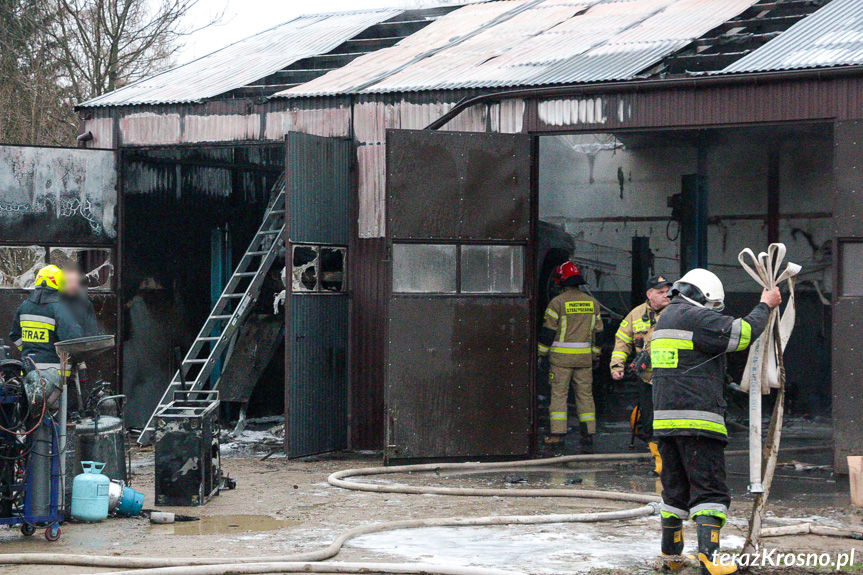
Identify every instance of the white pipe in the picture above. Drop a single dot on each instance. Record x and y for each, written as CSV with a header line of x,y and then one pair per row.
x,y
298,567
339,479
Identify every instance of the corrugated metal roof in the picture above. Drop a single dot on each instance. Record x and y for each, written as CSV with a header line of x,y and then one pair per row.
x,y
832,36
528,43
247,60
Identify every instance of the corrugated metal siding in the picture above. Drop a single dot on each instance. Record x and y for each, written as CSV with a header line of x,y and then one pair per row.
x,y
247,60
316,401
369,286
530,43
832,36
319,192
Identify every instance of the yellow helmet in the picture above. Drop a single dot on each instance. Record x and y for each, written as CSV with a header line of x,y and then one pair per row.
x,y
52,277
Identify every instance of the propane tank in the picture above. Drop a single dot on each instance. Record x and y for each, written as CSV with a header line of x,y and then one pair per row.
x,y
90,493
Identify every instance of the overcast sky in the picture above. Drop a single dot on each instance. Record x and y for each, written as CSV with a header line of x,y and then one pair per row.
x,y
244,18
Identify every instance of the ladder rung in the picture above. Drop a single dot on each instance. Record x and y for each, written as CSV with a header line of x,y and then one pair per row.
x,y
209,338
269,232
233,295
257,253
246,274
277,212
195,361
221,317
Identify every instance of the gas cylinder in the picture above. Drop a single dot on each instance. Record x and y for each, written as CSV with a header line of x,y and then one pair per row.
x,y
90,493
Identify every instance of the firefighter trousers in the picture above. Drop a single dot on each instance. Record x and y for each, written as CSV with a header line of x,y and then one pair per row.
x,y
693,477
581,378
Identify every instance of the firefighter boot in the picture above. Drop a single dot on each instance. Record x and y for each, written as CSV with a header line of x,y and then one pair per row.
x,y
672,542
586,445
708,546
657,459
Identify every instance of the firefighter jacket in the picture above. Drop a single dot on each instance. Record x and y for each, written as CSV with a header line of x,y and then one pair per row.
x,y
689,365
40,322
568,335
638,323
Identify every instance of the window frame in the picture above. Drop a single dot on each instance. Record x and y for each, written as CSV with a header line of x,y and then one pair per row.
x,y
459,244
318,290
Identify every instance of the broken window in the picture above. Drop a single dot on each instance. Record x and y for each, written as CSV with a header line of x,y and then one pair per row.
x,y
492,269
318,268
94,263
424,268
19,265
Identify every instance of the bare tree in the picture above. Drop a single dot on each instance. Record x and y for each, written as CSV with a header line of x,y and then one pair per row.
x,y
103,45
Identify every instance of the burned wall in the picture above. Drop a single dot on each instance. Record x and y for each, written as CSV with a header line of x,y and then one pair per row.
x,y
174,201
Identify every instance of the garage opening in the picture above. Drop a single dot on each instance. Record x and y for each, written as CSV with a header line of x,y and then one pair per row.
x,y
624,206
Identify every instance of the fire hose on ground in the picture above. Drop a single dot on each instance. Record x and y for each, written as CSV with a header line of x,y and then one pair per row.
x,y
308,561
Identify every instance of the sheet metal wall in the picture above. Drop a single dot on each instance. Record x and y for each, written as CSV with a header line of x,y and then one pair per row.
x,y
847,360
320,189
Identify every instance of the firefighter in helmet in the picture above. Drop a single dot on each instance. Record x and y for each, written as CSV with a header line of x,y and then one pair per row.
x,y
568,339
689,366
43,320
632,344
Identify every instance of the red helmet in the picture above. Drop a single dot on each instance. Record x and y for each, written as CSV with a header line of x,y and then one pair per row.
x,y
568,274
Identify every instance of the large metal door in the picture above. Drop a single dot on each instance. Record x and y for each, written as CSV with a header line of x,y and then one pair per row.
x,y
460,217
318,203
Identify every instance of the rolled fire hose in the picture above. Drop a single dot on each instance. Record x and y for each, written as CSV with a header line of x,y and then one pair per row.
x,y
340,479
765,371
762,370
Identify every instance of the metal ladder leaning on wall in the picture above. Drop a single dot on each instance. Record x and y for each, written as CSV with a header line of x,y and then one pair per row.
x,y
233,306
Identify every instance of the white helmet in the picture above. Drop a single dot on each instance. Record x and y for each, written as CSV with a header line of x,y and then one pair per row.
x,y
707,283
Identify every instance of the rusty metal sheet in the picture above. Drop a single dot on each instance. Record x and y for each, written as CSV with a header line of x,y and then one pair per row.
x,y
459,368
453,185
64,195
256,344
458,385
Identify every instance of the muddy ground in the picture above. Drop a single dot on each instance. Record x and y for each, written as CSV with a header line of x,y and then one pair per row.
x,y
282,506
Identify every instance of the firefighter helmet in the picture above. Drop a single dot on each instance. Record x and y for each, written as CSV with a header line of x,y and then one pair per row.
x,y
707,292
52,277
567,274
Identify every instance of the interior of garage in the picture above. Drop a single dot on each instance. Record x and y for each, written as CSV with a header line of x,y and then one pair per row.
x,y
632,204
188,215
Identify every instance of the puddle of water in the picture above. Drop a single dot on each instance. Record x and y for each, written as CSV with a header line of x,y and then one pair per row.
x,y
223,525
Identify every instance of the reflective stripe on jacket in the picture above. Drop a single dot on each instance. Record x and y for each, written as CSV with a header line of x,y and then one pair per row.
x,y
638,323
572,321
40,322
688,355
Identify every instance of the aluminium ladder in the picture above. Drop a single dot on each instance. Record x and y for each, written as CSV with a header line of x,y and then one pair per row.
x,y
231,309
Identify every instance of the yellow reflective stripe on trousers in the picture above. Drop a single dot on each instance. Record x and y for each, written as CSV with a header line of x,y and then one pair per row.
x,y
558,415
586,417
623,336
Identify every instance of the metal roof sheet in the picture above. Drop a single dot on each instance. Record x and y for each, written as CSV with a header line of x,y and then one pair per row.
x,y
530,42
247,60
832,36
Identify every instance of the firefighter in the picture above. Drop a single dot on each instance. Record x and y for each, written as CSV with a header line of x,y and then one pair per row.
x,y
633,338
688,351
568,339
43,320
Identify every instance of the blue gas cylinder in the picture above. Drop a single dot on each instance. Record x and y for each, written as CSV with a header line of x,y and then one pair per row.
x,y
90,493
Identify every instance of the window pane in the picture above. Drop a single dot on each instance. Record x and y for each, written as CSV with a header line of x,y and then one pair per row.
x,y
852,264
492,269
19,265
424,268
97,271
305,268
333,269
